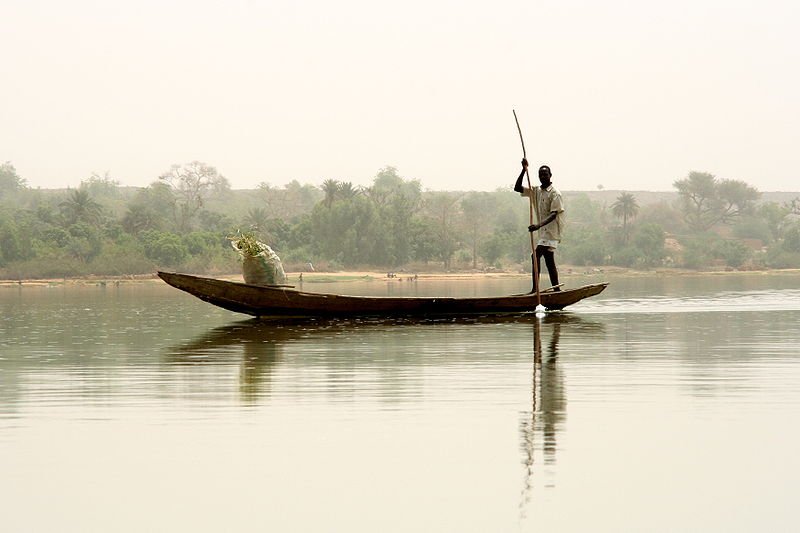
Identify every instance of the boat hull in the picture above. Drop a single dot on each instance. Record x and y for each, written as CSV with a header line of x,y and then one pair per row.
x,y
261,301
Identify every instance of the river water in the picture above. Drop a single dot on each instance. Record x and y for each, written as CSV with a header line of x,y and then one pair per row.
x,y
664,404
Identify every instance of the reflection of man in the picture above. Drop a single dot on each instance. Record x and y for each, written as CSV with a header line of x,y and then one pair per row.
x,y
549,408
549,207
554,399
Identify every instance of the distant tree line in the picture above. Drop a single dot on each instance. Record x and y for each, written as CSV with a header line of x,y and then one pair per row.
x,y
182,220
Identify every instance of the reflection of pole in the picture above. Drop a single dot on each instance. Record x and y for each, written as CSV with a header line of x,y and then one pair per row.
x,y
528,427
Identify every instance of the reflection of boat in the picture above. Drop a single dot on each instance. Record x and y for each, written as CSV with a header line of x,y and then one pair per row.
x,y
282,302
258,351
260,347
254,336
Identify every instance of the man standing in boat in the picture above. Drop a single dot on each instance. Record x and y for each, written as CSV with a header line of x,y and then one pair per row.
x,y
549,208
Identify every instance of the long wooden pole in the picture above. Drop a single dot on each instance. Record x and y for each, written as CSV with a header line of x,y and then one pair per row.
x,y
533,239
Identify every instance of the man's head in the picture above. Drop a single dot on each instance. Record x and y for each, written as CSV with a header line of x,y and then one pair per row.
x,y
545,175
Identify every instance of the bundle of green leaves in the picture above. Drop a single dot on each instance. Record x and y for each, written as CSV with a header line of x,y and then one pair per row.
x,y
246,244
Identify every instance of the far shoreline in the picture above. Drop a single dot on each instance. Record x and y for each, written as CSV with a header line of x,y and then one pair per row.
x,y
567,272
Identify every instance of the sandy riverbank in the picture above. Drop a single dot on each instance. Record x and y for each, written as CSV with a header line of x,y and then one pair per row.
x,y
355,276
293,277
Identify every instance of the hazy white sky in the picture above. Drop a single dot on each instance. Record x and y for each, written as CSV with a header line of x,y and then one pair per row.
x,y
627,94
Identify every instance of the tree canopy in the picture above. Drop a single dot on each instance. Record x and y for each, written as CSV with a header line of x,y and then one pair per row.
x,y
10,181
706,200
192,183
181,220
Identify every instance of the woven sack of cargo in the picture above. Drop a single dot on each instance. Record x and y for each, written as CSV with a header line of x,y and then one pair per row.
x,y
260,264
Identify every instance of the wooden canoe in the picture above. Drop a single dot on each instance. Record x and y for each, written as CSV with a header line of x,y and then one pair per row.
x,y
277,301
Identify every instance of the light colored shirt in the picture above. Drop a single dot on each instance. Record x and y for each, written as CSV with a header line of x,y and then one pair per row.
x,y
545,201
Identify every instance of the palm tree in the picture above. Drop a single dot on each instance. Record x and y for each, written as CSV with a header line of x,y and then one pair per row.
x,y
625,207
80,207
257,219
140,217
331,190
347,191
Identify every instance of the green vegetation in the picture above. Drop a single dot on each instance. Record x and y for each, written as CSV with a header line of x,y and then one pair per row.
x,y
182,220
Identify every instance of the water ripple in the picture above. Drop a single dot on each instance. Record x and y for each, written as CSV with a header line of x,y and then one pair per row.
x,y
765,300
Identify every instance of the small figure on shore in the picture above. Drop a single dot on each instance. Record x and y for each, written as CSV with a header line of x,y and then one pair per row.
x,y
549,208
301,277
